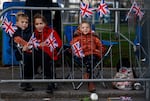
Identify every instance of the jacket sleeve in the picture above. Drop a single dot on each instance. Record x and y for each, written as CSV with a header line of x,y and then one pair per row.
x,y
100,46
74,40
20,40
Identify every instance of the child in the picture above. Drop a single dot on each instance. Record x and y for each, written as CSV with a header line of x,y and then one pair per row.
x,y
23,32
49,43
92,49
21,37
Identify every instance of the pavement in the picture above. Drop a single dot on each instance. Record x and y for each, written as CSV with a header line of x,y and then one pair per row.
x,y
64,92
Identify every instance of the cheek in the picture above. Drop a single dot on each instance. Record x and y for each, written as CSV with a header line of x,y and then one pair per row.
x,y
26,25
36,26
18,24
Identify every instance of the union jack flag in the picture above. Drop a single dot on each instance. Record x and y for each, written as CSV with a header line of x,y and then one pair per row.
x,y
85,10
78,50
137,11
8,26
33,42
51,42
103,9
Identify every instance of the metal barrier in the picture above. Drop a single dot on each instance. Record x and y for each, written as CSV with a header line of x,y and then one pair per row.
x,y
125,48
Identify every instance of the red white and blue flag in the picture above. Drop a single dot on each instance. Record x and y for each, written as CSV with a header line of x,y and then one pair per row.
x,y
78,50
85,10
135,8
8,26
33,42
51,42
137,11
103,9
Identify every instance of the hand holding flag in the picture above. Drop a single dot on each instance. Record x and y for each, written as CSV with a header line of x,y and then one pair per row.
x,y
33,42
78,50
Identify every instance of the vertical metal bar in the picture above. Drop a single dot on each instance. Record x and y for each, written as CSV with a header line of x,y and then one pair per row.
x,y
147,90
116,18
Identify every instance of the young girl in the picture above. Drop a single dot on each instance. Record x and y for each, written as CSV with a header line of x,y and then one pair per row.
x,y
49,43
92,49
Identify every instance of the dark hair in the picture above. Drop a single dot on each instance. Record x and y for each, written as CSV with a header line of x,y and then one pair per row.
x,y
40,16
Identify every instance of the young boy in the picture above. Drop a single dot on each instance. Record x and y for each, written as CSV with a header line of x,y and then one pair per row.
x,y
92,49
21,38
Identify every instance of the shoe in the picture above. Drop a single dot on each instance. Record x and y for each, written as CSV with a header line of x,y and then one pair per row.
x,y
86,75
26,87
49,88
91,87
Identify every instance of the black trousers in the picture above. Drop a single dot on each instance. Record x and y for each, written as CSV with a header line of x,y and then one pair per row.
x,y
90,61
34,60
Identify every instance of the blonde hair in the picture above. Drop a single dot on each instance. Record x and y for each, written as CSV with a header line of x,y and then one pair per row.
x,y
21,14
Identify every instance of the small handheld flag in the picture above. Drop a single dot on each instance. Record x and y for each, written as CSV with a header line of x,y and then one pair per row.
x,y
51,42
136,10
103,9
33,42
85,10
8,26
78,50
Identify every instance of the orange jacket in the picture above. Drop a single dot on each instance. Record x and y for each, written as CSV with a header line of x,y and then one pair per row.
x,y
90,44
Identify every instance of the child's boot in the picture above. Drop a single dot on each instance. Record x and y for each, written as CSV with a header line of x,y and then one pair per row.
x,y
91,87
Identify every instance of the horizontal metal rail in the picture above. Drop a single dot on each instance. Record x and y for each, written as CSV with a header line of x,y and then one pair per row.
x,y
75,80
58,8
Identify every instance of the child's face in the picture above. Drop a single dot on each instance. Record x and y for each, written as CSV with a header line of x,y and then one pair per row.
x,y
85,28
22,23
39,24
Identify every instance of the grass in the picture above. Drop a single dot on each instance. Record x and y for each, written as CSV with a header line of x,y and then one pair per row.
x,y
107,33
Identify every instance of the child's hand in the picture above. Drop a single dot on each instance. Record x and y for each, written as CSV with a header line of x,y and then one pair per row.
x,y
42,44
25,48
